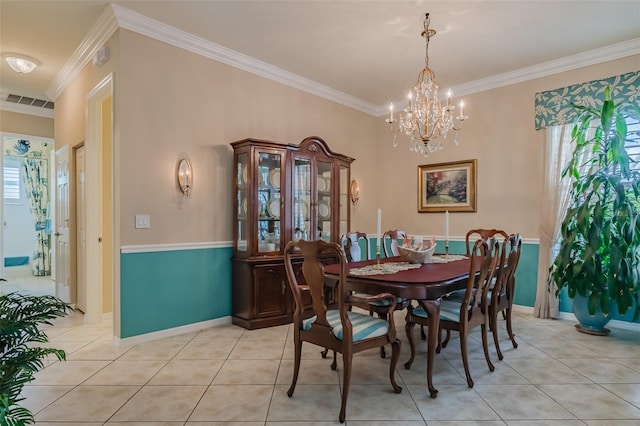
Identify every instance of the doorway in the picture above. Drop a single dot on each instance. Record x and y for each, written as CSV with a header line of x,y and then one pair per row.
x,y
26,251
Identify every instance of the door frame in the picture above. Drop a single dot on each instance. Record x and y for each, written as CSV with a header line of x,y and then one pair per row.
x,y
93,146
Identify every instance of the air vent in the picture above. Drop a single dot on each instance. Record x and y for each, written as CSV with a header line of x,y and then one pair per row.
x,y
25,100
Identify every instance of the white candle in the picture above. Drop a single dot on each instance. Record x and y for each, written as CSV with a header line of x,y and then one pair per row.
x,y
391,113
378,229
449,97
461,105
446,225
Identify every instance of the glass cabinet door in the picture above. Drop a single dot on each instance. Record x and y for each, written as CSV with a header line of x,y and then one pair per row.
x,y
344,200
302,198
269,202
323,206
242,200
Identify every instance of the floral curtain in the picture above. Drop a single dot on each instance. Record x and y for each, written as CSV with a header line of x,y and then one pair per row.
x,y
36,180
34,161
555,107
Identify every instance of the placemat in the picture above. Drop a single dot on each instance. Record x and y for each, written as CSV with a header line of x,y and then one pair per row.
x,y
441,258
384,269
393,267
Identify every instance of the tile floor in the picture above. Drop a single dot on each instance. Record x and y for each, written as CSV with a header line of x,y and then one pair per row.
x,y
230,376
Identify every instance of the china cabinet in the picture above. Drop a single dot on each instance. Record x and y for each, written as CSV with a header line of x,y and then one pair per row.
x,y
282,192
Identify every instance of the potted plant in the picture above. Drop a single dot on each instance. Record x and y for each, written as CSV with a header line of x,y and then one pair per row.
x,y
599,256
20,321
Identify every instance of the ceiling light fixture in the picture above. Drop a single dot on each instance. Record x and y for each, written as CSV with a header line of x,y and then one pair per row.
x,y
425,120
20,63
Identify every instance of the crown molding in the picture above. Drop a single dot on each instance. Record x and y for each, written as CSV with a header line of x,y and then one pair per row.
x,y
117,16
99,34
26,109
591,57
141,24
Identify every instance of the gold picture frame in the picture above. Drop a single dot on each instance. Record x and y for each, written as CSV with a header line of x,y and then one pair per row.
x,y
447,187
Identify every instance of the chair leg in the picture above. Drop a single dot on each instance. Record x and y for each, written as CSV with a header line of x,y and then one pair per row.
x,y
446,339
423,335
346,379
493,326
395,356
408,327
334,364
465,360
507,314
485,346
324,352
296,367
383,352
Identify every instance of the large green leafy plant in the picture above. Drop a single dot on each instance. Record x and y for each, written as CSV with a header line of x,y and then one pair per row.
x,y
599,255
20,320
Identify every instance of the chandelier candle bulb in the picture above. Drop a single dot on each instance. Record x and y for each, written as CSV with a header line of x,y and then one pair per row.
x,y
390,113
449,98
461,105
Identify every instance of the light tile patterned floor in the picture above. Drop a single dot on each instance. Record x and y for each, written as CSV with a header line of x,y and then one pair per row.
x,y
230,376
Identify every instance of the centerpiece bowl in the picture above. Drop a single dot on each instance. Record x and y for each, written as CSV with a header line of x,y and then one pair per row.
x,y
417,255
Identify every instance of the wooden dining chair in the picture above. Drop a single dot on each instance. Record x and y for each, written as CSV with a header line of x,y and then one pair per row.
x,y
350,241
502,287
500,294
340,330
393,236
483,233
467,314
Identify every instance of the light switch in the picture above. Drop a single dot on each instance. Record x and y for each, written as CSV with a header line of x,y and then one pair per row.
x,y
143,221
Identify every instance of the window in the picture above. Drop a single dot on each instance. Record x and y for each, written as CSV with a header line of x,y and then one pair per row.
x,y
633,142
12,181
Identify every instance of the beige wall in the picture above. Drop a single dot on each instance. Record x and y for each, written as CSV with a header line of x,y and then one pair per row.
x,y
70,116
25,124
500,134
172,103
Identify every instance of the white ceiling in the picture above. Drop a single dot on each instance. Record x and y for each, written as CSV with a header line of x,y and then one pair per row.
x,y
371,50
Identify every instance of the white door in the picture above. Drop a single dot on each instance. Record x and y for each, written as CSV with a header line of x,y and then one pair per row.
x,y
63,261
81,232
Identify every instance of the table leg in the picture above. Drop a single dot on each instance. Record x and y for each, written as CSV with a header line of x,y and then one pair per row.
x,y
432,307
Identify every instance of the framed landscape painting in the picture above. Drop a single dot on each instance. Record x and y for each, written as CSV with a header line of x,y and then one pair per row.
x,y
447,187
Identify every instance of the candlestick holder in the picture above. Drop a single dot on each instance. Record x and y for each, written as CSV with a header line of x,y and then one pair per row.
x,y
377,265
446,249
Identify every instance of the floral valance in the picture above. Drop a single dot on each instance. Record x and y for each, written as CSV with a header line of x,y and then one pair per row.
x,y
555,107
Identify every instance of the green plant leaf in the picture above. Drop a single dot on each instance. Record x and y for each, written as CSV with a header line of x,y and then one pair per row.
x,y
599,254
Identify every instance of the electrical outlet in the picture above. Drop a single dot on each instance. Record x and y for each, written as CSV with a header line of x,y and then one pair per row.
x,y
143,221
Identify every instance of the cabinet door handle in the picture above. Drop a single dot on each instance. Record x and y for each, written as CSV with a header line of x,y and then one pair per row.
x,y
282,286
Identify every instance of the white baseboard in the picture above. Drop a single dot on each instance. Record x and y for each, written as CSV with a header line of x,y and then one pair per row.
x,y
623,325
162,334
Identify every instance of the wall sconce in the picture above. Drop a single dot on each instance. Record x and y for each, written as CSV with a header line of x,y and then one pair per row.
x,y
185,177
354,191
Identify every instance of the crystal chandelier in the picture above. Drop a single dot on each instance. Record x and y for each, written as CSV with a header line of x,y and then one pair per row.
x,y
425,119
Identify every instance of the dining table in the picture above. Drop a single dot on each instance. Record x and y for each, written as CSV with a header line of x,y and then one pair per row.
x,y
426,283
